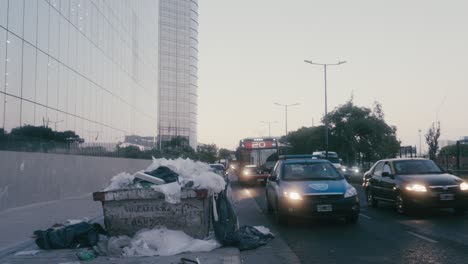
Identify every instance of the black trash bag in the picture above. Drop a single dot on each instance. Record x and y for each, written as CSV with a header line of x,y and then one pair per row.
x,y
251,238
73,236
226,225
165,174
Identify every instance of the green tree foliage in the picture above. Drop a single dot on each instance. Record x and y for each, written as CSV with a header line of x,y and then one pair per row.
x,y
207,152
432,139
224,153
44,133
305,140
355,133
359,131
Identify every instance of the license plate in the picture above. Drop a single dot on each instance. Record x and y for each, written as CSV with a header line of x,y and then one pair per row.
x,y
324,208
447,197
260,180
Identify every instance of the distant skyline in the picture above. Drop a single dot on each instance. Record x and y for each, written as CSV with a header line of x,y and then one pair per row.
x,y
408,55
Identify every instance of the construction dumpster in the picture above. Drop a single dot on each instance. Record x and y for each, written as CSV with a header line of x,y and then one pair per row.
x,y
128,211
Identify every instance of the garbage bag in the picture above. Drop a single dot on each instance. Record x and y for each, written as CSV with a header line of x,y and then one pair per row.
x,y
225,222
72,236
165,174
226,227
251,238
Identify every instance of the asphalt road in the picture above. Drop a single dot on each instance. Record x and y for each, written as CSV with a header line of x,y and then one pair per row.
x,y
381,236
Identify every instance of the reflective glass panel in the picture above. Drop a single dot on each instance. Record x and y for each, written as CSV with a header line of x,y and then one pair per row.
x,y
12,112
29,72
15,17
30,21
14,63
27,113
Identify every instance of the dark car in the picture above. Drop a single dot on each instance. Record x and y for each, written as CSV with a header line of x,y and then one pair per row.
x,y
252,174
310,188
414,184
218,169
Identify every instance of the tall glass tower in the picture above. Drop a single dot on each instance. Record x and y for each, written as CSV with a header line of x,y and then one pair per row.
x,y
86,66
178,70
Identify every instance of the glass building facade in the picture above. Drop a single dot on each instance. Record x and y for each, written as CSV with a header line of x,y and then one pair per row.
x,y
90,66
178,71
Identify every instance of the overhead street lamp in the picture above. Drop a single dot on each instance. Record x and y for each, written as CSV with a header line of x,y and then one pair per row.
x,y
269,126
326,110
420,149
286,114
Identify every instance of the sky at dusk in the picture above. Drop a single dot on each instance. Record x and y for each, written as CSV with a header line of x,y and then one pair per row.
x,y
411,56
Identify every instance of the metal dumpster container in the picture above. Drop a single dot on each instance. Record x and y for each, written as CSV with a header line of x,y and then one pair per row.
x,y
128,211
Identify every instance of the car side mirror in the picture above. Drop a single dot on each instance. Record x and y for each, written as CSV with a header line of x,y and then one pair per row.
x,y
272,178
347,176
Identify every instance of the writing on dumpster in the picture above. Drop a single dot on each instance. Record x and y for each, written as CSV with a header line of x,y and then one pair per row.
x,y
163,209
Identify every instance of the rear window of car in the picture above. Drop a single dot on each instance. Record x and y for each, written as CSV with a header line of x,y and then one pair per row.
x,y
310,171
416,167
217,167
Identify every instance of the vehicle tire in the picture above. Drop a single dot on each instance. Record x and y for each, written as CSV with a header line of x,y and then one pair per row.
x,y
401,205
371,201
281,218
352,219
269,207
460,211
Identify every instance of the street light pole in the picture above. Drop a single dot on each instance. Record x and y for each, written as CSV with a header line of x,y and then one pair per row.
x,y
269,126
326,107
286,114
420,150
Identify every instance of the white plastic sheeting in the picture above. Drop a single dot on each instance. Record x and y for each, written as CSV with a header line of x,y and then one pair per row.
x,y
165,242
193,173
120,181
154,242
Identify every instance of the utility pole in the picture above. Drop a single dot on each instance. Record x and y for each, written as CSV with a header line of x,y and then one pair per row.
x,y
420,149
326,110
286,114
269,126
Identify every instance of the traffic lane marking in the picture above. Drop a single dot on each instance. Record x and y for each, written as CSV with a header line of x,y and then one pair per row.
x,y
253,199
422,237
365,216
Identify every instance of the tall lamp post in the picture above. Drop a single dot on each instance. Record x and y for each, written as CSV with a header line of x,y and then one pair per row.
x,y
420,150
269,126
326,110
286,114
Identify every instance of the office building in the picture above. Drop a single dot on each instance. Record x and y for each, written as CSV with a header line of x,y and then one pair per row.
x,y
95,67
178,51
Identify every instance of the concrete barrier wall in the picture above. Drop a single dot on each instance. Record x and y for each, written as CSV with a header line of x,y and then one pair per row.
x,y
27,178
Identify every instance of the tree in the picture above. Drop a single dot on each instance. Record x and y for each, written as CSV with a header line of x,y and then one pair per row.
x,y
359,133
306,140
432,139
207,152
224,153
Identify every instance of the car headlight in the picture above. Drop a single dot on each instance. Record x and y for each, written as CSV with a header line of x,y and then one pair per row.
x,y
343,169
356,170
416,187
246,172
350,191
293,195
464,186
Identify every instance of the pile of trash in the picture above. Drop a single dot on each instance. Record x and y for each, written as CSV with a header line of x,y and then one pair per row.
x,y
168,177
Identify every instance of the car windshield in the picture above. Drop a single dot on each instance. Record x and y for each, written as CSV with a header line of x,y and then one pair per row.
x,y
310,171
416,167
